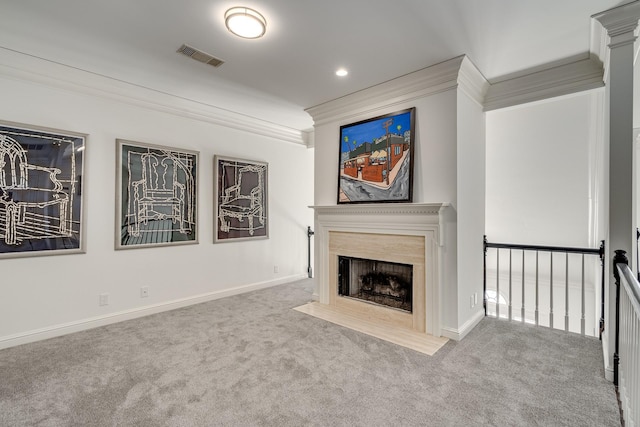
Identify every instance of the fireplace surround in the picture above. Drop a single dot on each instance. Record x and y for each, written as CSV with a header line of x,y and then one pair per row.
x,y
399,233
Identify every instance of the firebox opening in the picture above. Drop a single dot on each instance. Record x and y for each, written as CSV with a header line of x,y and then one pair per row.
x,y
380,282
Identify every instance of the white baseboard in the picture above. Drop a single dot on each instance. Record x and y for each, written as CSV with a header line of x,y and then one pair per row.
x,y
608,366
94,322
458,334
608,373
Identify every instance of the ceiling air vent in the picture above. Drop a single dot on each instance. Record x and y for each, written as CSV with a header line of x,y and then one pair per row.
x,y
199,55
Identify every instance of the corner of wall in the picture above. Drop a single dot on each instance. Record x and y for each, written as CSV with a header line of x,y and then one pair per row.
x,y
471,200
458,334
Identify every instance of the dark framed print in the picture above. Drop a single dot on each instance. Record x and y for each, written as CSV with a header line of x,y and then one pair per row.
x,y
41,199
376,159
156,192
241,199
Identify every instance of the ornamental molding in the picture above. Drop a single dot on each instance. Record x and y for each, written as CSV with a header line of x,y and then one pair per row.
x,y
555,80
459,72
399,91
472,82
417,209
620,20
568,76
613,28
22,67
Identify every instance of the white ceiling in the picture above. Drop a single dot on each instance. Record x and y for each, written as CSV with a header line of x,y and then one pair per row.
x,y
292,67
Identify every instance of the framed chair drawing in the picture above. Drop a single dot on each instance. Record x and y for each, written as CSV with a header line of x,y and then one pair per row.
x,y
157,192
40,192
241,199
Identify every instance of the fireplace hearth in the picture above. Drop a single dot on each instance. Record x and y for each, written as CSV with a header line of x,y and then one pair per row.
x,y
379,282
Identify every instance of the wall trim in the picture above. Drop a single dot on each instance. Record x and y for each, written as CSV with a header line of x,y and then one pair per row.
x,y
18,66
419,84
472,82
458,334
564,77
108,319
607,358
598,45
620,23
557,79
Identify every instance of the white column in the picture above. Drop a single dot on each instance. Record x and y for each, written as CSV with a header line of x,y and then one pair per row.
x,y
620,24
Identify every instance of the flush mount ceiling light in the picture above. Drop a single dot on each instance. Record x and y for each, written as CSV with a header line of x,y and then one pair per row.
x,y
341,72
244,22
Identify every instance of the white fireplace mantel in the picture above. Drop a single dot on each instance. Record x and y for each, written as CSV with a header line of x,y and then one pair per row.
x,y
408,219
367,216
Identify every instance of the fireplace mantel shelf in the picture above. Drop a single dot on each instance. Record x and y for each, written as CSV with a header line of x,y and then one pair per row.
x,y
380,216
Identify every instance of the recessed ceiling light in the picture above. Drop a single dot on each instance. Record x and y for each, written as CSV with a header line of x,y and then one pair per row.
x,y
341,72
244,22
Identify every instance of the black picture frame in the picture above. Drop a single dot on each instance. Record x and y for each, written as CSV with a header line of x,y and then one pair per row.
x,y
375,162
156,195
241,199
41,202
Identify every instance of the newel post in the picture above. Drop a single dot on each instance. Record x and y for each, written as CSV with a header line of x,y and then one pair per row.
x,y
309,268
619,258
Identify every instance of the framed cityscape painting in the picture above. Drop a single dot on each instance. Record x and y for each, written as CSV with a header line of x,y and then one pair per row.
x,y
376,159
241,199
156,194
41,195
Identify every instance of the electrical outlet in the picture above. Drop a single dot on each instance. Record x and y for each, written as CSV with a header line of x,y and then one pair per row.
x,y
276,269
471,301
144,292
475,298
103,299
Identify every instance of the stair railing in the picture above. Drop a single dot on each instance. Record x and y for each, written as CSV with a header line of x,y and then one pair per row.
x,y
524,287
626,358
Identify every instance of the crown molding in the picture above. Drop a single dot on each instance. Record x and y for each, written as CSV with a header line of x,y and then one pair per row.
x,y
565,77
472,82
620,23
576,76
458,72
22,67
598,46
309,137
419,84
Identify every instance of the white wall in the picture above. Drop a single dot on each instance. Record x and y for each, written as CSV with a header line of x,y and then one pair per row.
x,y
538,172
435,181
48,295
471,207
636,85
545,187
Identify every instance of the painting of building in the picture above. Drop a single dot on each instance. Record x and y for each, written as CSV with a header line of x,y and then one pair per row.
x,y
376,159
